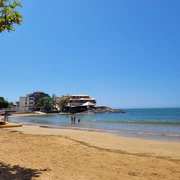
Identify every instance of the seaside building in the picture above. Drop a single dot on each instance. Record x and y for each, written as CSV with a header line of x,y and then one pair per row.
x,y
74,103
80,102
28,103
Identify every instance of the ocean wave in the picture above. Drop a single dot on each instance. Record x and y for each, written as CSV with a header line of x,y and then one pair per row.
x,y
138,122
117,131
146,133
42,121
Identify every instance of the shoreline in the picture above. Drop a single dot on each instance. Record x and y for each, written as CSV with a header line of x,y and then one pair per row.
x,y
163,137
132,145
33,152
26,115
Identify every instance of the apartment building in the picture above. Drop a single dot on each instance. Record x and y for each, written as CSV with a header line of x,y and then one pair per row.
x,y
28,102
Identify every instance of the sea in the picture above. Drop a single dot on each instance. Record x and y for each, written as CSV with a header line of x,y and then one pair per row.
x,y
153,123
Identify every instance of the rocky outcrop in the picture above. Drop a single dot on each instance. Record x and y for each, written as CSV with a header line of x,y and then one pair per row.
x,y
103,109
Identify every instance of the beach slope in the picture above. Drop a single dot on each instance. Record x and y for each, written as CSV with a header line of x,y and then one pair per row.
x,y
44,153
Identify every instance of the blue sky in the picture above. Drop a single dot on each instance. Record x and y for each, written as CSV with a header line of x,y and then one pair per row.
x,y
124,53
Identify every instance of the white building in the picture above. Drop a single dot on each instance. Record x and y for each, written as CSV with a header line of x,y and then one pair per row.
x,y
28,103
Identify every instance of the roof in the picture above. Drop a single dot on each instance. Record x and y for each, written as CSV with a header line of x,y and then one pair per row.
x,y
86,99
38,92
79,95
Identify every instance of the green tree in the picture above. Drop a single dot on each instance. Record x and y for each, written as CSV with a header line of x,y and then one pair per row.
x,y
46,104
3,103
63,103
9,15
11,104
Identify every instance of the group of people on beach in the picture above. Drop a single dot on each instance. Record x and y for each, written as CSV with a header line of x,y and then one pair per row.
x,y
73,120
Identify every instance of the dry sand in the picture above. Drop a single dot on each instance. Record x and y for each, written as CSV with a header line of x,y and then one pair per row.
x,y
28,114
32,152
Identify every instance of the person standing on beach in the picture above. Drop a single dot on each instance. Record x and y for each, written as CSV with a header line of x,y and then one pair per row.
x,y
74,119
5,116
79,120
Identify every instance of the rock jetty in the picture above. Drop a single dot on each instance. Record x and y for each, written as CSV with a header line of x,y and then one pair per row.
x,y
103,109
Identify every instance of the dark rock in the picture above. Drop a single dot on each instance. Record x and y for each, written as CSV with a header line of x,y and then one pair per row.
x,y
103,109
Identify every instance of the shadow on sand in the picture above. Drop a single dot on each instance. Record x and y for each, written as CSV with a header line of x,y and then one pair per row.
x,y
8,172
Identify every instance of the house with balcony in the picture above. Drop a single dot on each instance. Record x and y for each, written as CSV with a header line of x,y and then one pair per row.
x,y
80,102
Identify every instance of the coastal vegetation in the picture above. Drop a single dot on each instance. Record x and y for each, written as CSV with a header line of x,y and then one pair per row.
x,y
46,104
5,104
9,16
63,103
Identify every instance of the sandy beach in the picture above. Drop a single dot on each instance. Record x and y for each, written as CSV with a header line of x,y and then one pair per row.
x,y
32,152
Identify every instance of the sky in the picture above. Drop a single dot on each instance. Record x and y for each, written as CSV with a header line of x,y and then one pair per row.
x,y
124,53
